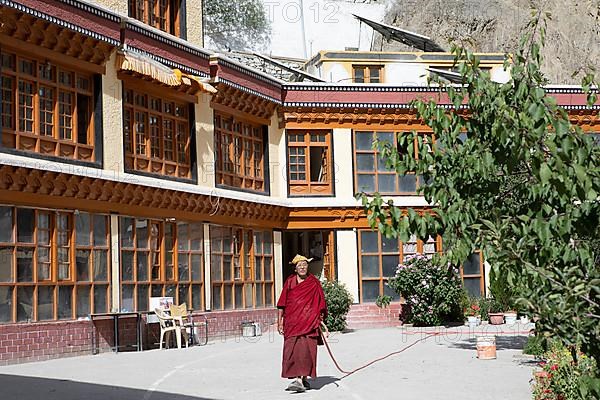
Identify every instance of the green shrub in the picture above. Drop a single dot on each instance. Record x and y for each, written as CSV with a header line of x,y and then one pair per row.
x,y
432,292
502,291
383,301
535,346
484,307
338,300
567,374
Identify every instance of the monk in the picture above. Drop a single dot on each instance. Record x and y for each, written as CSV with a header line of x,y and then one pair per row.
x,y
301,310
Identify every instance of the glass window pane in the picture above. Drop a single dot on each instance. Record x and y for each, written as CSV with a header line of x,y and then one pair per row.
x,y
368,242
407,183
258,273
259,295
366,183
365,162
156,290
473,286
471,266
25,224
142,266
183,240
100,230
45,303
268,267
385,137
386,183
82,229
6,293
24,303
215,268
226,268
83,301
197,231
100,265
363,140
389,265
389,245
216,297
197,297
6,264
126,297
100,298
227,297
6,224
24,264
268,294
239,299
370,291
183,294
126,232
127,265
249,295
390,292
141,233
65,302
370,267
183,268
142,297
82,260
359,75
171,291
197,267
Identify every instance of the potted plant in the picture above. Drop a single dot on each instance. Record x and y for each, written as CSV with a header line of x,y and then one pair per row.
x,y
472,314
511,317
495,314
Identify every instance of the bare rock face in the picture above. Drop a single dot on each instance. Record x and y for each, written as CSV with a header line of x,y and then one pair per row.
x,y
572,40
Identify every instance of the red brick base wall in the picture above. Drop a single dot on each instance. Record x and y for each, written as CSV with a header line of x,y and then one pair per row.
x,y
46,340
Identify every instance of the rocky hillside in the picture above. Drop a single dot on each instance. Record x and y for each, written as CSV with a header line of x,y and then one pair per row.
x,y
573,38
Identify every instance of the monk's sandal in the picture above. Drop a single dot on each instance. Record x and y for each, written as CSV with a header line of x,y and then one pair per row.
x,y
306,384
296,386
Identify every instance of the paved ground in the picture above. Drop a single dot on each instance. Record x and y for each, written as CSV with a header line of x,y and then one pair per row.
x,y
440,367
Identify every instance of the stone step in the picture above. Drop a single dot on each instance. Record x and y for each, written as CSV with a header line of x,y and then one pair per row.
x,y
363,325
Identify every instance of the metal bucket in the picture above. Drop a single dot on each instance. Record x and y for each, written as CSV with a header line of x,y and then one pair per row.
x,y
486,347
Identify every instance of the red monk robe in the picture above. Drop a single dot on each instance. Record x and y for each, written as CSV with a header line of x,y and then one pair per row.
x,y
303,305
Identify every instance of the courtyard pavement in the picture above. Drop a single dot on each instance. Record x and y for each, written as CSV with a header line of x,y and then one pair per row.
x,y
437,367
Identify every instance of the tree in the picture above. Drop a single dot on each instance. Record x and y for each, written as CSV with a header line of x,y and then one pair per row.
x,y
523,187
236,25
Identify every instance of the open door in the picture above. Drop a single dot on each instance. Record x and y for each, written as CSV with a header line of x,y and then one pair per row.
x,y
318,245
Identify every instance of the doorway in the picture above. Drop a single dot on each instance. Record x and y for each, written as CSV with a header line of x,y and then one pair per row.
x,y
318,244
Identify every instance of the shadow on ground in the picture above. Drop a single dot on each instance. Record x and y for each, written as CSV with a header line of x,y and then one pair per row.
x,y
319,382
502,343
16,387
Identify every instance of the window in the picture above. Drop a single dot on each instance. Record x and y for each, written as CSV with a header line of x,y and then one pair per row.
x,y
46,108
309,162
379,258
161,259
160,14
371,174
472,275
239,153
156,134
367,74
241,268
53,265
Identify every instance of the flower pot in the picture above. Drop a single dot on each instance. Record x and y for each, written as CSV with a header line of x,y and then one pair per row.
x,y
486,347
524,319
473,321
496,318
510,317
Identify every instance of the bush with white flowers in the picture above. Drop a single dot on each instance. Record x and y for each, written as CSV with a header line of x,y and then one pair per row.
x,y
432,292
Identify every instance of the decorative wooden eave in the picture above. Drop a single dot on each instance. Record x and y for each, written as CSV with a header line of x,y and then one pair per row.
x,y
45,38
146,68
230,98
32,187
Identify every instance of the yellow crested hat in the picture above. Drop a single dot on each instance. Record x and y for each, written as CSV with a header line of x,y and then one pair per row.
x,y
299,258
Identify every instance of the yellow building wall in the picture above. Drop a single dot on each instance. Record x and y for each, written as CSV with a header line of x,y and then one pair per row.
x,y
277,159
342,163
205,141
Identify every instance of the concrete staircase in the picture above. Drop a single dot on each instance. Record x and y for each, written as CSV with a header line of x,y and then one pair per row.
x,y
368,315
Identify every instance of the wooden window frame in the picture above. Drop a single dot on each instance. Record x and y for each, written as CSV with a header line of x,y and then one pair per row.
x,y
255,266
307,186
147,12
161,285
367,68
233,138
53,282
80,87
376,172
145,145
420,248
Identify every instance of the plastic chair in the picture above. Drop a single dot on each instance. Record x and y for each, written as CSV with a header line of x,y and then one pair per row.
x,y
169,324
182,320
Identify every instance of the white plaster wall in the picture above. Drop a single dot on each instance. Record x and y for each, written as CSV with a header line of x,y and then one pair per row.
x,y
277,159
205,138
278,260
112,118
337,72
486,284
407,74
499,75
342,164
347,260
329,25
194,22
